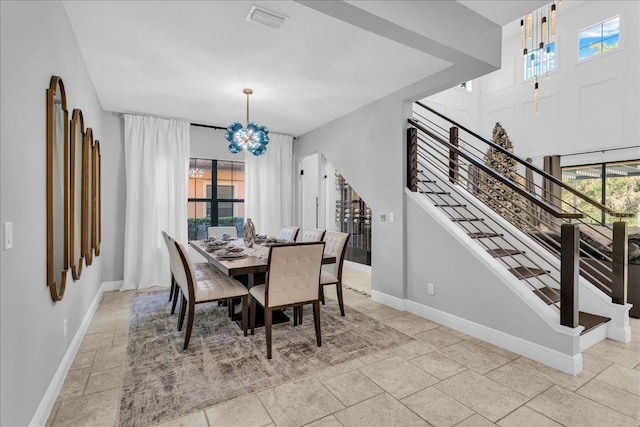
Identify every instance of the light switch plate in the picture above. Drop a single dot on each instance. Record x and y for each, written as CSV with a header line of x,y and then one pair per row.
x,y
8,235
392,217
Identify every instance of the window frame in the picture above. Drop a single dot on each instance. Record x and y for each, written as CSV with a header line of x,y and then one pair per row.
x,y
214,200
603,170
601,53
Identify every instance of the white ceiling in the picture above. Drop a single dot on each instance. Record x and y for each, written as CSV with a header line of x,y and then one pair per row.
x,y
191,60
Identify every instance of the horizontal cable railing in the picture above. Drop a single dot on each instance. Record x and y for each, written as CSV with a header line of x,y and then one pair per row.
x,y
537,210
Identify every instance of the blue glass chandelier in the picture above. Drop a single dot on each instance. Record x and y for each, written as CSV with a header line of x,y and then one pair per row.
x,y
253,138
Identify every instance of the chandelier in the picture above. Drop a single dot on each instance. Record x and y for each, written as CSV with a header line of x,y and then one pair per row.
x,y
253,138
537,44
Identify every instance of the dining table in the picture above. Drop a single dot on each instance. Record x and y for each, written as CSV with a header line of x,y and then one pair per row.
x,y
246,264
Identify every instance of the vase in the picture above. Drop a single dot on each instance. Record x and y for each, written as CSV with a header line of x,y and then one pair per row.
x,y
249,235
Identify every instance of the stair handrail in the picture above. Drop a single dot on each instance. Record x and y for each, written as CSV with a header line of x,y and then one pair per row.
x,y
506,181
528,165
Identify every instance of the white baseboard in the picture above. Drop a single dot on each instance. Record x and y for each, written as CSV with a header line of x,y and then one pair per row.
x,y
116,285
48,400
571,364
391,301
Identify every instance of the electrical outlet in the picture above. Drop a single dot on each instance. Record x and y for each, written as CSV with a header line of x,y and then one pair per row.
x,y
431,288
383,217
64,327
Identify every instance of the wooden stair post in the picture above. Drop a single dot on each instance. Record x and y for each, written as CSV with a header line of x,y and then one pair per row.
x,y
620,267
569,273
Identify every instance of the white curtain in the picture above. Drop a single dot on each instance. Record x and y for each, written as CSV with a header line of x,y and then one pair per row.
x,y
269,186
156,154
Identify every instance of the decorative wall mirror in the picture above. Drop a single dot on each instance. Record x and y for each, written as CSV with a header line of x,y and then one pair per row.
x,y
87,197
75,194
96,235
57,188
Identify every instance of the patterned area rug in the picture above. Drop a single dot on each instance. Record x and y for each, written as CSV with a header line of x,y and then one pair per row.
x,y
162,382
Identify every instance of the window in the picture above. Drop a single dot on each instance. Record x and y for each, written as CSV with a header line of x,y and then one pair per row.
x,y
540,61
616,185
215,196
598,39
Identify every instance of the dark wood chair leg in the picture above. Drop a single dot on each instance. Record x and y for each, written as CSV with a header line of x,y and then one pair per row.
x,y
252,310
173,284
183,309
187,334
176,295
322,294
267,329
300,309
316,320
295,315
340,302
245,315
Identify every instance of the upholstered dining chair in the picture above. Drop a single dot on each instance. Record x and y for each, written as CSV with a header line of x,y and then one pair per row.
x,y
335,245
288,234
293,277
219,230
202,284
313,235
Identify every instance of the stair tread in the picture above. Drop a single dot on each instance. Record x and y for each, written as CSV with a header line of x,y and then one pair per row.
x,y
434,192
450,206
527,272
590,321
466,219
500,252
482,234
551,293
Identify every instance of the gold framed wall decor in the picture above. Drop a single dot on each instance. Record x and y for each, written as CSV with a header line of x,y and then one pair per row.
x,y
57,188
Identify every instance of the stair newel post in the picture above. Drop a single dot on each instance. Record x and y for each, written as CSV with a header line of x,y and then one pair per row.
x,y
412,159
569,273
620,267
453,156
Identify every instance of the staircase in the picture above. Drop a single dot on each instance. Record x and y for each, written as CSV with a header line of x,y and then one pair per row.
x,y
544,247
490,235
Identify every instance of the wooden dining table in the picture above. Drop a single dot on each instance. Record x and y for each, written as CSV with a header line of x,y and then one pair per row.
x,y
250,269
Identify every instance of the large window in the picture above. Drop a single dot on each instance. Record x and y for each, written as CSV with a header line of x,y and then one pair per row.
x,y
216,196
599,38
540,61
615,185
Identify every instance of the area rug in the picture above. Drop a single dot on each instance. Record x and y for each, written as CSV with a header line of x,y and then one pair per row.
x,y
163,382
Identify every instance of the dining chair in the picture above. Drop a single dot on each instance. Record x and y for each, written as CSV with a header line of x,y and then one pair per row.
x,y
292,279
218,230
335,245
174,290
288,234
202,284
313,235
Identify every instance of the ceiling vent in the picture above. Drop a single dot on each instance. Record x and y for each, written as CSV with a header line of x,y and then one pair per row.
x,y
265,16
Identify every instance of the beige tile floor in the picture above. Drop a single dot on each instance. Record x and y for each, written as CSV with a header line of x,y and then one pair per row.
x,y
445,378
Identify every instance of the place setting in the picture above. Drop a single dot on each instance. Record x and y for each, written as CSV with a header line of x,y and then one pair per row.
x,y
230,252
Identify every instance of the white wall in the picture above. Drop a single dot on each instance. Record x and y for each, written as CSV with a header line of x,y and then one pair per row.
x,y
589,105
208,143
36,43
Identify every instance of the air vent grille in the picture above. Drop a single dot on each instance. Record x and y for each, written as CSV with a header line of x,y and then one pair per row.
x,y
265,16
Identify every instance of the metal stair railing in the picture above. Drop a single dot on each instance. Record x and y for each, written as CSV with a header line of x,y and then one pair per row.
x,y
546,220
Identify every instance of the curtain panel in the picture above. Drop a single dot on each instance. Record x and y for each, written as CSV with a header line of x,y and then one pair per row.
x,y
156,154
269,186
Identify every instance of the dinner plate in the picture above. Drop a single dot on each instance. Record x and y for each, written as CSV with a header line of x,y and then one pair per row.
x,y
231,255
